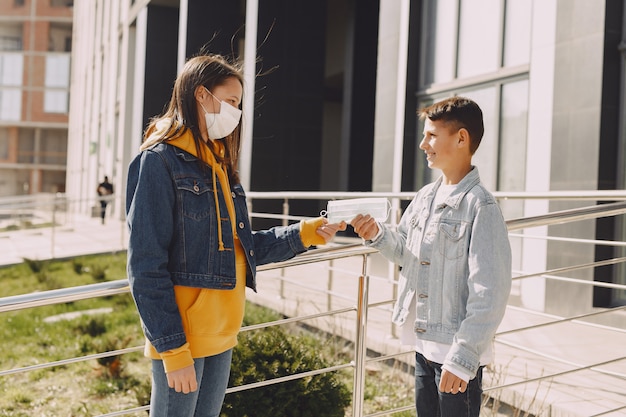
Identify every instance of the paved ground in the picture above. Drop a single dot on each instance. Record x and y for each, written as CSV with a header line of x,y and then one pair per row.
x,y
520,356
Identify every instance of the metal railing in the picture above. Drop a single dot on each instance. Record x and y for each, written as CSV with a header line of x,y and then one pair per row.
x,y
363,305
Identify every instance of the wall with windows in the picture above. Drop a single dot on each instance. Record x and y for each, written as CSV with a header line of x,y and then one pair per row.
x,y
35,44
539,71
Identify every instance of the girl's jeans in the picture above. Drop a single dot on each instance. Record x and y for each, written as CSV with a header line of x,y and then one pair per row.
x,y
430,402
212,374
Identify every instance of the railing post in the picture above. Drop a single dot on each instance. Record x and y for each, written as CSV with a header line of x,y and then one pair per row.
x,y
54,227
285,223
360,348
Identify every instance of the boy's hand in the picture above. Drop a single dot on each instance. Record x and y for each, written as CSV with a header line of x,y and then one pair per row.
x,y
365,226
183,380
451,383
328,230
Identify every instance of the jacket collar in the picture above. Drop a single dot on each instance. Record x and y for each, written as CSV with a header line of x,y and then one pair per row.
x,y
463,187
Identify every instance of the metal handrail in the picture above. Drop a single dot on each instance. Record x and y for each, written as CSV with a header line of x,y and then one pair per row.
x,y
331,252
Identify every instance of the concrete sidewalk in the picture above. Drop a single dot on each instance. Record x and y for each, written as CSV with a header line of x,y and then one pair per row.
x,y
78,235
520,356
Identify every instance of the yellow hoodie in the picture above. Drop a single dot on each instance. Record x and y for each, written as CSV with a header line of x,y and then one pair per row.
x,y
212,318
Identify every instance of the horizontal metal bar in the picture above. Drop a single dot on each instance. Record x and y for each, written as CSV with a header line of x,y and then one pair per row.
x,y
577,367
126,412
607,412
392,411
571,215
297,319
548,273
569,239
71,360
288,378
561,320
63,295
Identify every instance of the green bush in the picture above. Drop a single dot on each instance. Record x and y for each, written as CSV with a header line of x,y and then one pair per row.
x,y
272,353
35,265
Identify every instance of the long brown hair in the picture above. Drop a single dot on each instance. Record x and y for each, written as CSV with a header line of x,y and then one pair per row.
x,y
210,71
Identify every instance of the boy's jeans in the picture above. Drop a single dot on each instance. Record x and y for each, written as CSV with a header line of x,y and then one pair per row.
x,y
429,402
212,374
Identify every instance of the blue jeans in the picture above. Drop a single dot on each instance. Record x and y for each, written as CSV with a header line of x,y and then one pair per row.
x,y
212,374
430,402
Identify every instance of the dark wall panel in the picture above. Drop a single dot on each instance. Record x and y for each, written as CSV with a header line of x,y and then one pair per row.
x,y
161,52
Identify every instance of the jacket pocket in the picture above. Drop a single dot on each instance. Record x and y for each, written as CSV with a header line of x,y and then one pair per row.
x,y
195,196
453,238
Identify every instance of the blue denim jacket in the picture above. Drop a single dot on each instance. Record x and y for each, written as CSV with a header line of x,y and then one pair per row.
x,y
171,215
458,267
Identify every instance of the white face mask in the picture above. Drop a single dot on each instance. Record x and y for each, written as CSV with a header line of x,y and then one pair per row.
x,y
346,210
219,125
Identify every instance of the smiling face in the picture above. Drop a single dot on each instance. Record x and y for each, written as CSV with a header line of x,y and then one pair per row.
x,y
447,149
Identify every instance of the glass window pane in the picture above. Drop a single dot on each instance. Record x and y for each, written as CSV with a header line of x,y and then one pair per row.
x,y
10,104
517,32
58,70
486,157
513,132
55,102
479,35
513,127
440,41
11,69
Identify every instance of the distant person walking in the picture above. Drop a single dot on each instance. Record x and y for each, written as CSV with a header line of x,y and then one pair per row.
x,y
105,191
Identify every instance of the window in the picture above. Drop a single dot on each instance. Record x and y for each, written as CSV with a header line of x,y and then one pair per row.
x,y
11,73
57,83
467,38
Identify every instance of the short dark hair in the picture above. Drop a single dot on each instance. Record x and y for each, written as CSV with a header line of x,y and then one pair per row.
x,y
458,112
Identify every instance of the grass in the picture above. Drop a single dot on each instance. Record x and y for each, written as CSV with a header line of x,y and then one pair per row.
x,y
28,337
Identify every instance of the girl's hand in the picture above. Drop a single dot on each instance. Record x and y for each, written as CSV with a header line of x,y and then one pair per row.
x,y
328,230
183,380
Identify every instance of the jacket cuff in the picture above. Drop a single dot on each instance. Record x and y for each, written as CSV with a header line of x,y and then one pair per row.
x,y
458,357
176,359
308,232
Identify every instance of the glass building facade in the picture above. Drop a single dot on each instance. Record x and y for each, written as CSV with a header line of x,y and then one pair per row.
x,y
332,92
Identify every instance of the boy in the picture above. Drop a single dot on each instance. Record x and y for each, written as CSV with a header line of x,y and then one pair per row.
x,y
452,245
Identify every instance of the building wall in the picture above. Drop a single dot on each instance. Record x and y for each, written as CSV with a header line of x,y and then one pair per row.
x,y
336,114
34,89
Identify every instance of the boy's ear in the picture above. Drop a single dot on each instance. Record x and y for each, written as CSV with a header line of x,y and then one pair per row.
x,y
463,138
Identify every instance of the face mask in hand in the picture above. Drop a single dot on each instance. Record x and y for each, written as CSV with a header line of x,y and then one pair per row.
x,y
346,210
219,125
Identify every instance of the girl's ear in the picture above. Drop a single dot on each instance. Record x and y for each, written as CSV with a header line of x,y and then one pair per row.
x,y
200,93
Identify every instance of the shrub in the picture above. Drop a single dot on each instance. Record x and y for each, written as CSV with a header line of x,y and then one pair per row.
x,y
99,273
35,265
77,266
273,353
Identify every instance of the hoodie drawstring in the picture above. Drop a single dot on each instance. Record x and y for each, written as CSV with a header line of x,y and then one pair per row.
x,y
217,208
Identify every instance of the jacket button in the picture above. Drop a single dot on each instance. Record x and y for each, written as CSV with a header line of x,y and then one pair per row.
x,y
233,194
241,225
422,296
251,252
424,263
420,330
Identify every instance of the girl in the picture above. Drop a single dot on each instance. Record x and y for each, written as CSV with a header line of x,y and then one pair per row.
x,y
191,251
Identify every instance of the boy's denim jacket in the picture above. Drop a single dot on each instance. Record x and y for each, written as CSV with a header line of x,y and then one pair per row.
x,y
171,214
458,268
